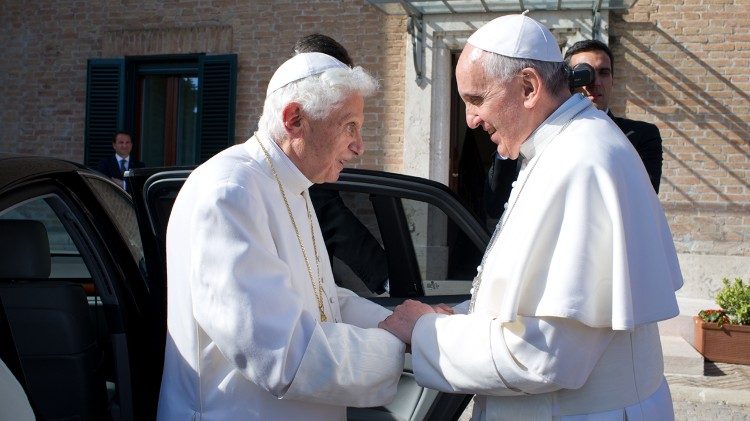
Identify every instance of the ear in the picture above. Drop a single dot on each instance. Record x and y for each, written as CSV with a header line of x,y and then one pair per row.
x,y
531,82
291,115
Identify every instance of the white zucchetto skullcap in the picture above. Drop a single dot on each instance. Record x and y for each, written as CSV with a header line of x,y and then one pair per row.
x,y
301,66
517,36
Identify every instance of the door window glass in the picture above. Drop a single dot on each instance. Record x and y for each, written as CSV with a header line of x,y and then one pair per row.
x,y
353,241
120,209
446,256
66,261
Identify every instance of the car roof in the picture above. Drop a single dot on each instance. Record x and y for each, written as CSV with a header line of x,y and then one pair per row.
x,y
15,168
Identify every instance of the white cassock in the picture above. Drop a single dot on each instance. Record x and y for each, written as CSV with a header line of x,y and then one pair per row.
x,y
245,339
564,322
14,405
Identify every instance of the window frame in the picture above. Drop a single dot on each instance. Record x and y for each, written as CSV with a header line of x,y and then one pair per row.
x,y
112,94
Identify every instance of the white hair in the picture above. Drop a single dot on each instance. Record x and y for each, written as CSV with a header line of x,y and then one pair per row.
x,y
317,95
503,68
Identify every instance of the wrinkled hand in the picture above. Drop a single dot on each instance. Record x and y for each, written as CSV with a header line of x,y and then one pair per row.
x,y
401,322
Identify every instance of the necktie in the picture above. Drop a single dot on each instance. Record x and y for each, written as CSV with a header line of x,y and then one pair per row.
x,y
122,165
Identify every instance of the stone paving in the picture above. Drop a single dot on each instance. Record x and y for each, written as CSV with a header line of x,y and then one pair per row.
x,y
721,393
716,375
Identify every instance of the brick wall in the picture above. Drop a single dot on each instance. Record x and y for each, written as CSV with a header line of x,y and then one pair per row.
x,y
681,64
685,66
46,46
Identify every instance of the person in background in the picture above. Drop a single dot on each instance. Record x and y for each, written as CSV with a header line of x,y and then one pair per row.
x,y
114,166
562,323
345,236
644,136
256,327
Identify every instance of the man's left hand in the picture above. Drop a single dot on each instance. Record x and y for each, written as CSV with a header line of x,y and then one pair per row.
x,y
405,315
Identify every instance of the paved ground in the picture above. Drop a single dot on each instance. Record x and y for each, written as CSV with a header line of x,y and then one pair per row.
x,y
716,375
722,393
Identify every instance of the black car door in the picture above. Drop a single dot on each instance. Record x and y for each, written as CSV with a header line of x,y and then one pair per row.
x,y
429,243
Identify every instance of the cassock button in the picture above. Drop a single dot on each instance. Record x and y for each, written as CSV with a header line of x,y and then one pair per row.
x,y
479,268
331,300
471,291
513,184
505,206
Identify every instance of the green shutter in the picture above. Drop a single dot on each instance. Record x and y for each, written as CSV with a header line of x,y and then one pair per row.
x,y
105,85
216,106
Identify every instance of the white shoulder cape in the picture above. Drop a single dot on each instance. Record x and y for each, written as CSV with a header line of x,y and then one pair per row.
x,y
587,238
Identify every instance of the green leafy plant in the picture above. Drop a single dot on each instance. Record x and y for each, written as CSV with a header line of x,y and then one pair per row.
x,y
734,299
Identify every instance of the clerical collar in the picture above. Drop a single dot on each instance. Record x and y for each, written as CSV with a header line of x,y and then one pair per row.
x,y
291,177
546,131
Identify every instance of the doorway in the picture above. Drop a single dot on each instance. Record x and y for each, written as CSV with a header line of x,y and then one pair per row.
x,y
166,119
470,154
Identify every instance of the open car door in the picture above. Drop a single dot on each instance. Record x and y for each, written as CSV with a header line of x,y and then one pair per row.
x,y
431,244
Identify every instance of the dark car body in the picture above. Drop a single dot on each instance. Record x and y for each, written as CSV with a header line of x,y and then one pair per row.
x,y
85,335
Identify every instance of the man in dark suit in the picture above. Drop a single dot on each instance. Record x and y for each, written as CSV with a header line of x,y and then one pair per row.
x,y
115,165
644,136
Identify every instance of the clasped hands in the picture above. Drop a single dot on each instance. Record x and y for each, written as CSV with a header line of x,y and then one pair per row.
x,y
401,322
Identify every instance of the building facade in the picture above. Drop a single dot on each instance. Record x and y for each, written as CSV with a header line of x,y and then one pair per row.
x,y
683,65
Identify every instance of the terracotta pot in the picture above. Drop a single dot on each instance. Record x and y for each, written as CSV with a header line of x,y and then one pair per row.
x,y
726,344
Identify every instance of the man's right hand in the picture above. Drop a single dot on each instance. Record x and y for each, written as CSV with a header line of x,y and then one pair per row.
x,y
405,315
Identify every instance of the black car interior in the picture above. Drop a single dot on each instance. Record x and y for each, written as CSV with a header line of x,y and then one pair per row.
x,y
51,326
82,324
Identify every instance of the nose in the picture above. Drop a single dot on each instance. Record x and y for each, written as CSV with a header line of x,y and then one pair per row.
x,y
358,146
473,120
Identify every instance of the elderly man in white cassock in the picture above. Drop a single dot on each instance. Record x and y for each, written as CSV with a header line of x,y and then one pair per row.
x,y
257,329
562,321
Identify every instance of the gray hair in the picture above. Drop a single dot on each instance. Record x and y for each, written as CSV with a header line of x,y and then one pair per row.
x,y
317,95
503,68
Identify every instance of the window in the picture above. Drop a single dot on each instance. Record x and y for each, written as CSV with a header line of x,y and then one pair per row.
x,y
66,261
120,211
447,259
180,109
422,243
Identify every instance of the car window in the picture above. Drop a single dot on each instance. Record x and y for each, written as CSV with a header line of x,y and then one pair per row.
x,y
447,258
66,261
353,240
120,209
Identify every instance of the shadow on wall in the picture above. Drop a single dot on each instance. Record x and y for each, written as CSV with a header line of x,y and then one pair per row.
x,y
675,98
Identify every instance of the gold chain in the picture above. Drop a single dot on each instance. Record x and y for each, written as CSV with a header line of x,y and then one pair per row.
x,y
317,289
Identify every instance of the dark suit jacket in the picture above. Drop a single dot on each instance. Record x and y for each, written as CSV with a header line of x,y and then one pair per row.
x,y
644,136
111,167
500,178
646,139
349,240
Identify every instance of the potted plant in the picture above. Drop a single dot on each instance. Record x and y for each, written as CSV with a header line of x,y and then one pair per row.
x,y
723,335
